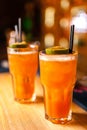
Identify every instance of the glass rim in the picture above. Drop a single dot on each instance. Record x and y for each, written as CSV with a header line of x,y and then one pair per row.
x,y
43,53
32,48
32,45
59,57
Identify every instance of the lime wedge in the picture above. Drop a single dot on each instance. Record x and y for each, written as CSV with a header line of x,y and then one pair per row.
x,y
19,45
57,50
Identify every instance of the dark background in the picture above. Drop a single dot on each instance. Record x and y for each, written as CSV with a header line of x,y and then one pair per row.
x,y
10,11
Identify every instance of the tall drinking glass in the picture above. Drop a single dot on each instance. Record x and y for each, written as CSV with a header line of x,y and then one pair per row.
x,y
23,64
58,76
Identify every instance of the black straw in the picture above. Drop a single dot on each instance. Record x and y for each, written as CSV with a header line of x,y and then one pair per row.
x,y
71,39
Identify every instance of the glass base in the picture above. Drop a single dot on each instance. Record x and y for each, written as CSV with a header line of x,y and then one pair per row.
x,y
26,100
59,120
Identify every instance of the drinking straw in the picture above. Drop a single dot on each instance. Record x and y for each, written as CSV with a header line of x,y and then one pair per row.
x,y
71,39
20,32
16,33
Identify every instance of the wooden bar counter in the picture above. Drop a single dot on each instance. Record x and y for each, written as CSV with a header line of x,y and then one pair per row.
x,y
16,116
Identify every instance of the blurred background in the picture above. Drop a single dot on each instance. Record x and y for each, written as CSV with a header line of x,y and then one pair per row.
x,y
46,21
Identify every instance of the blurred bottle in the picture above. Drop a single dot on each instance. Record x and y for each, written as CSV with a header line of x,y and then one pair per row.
x,y
28,20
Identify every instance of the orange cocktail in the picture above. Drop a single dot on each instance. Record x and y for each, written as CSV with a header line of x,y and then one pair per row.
x,y
23,64
58,76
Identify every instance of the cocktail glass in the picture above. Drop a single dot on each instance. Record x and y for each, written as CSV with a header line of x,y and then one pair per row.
x,y
23,65
58,76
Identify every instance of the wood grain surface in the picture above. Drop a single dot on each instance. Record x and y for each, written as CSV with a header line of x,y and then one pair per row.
x,y
16,116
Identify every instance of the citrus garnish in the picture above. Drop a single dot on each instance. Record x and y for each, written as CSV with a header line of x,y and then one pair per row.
x,y
57,50
19,45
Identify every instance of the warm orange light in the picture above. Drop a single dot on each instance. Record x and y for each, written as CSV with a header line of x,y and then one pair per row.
x,y
49,16
65,4
64,22
49,40
63,42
